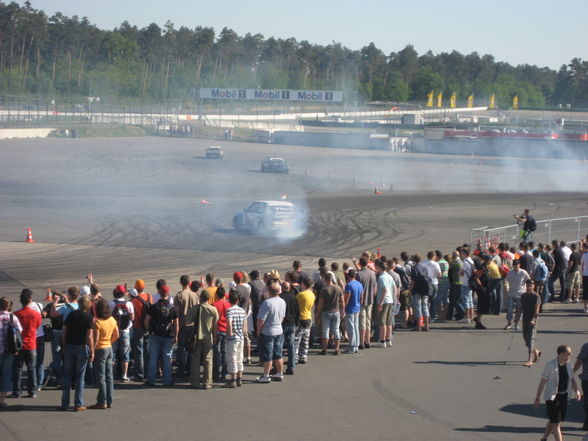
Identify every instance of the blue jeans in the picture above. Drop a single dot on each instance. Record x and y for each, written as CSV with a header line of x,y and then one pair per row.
x,y
121,349
160,347
40,359
352,321
420,305
219,362
140,351
28,359
442,294
495,290
57,356
6,362
289,334
104,376
546,293
183,356
330,322
74,370
513,304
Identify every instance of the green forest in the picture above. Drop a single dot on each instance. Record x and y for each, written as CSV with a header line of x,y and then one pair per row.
x,y
60,56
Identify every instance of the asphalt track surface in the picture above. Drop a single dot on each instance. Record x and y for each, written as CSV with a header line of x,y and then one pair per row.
x,y
131,208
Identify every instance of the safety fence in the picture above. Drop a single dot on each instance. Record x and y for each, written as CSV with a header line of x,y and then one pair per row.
x,y
569,229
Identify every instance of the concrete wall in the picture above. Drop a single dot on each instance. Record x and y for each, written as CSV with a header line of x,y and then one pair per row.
x,y
340,140
24,133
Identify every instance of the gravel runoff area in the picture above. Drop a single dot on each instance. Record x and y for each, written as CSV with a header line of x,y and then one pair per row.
x,y
155,208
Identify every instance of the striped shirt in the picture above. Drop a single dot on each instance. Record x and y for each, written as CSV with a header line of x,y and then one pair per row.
x,y
236,316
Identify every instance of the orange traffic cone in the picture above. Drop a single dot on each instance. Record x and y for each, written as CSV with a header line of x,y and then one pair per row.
x,y
29,236
48,298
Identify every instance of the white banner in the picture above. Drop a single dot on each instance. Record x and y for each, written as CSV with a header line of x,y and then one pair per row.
x,y
272,95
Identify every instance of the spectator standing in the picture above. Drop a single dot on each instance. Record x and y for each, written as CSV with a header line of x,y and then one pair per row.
x,y
328,311
77,342
582,361
455,305
30,321
105,333
236,328
367,278
530,303
289,325
123,313
584,265
353,296
270,334
162,322
139,343
204,317
220,340
516,279
185,299
6,357
305,299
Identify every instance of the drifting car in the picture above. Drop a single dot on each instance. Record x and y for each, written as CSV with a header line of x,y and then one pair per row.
x,y
214,152
266,216
274,165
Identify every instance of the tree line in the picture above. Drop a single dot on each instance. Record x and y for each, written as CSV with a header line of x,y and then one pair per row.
x,y
68,57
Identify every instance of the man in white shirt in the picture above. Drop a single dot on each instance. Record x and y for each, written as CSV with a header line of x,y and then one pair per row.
x,y
434,273
123,312
516,279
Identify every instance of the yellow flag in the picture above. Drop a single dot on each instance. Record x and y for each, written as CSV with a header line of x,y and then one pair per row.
x,y
453,100
471,100
430,99
492,104
440,99
515,102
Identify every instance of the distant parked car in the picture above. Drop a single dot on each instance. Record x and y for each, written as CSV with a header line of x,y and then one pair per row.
x,y
266,216
274,165
214,152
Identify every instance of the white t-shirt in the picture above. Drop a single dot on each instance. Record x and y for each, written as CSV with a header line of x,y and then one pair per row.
x,y
157,296
130,308
468,270
433,270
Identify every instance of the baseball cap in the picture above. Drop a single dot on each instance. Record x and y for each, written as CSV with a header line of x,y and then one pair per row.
x,y
165,289
85,290
120,288
133,292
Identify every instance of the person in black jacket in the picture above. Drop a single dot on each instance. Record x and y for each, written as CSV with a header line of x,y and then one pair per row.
x,y
559,271
290,324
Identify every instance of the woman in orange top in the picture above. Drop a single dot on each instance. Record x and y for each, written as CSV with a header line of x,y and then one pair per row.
x,y
105,334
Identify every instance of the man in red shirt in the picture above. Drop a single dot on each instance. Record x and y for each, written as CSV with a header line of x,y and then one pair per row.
x,y
30,321
139,347
218,356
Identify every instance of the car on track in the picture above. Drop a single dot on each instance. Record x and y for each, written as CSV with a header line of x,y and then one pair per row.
x,y
274,165
214,152
266,217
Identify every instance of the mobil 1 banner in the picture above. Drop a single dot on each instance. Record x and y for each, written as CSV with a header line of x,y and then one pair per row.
x,y
272,95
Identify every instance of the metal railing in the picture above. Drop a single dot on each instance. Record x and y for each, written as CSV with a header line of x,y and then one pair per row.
x,y
569,229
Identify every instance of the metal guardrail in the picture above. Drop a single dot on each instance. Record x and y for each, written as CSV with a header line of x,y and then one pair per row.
x,y
569,229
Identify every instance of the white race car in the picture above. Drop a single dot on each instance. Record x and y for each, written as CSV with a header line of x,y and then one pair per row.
x,y
266,216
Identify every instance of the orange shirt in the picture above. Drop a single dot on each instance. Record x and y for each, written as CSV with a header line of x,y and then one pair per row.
x,y
105,330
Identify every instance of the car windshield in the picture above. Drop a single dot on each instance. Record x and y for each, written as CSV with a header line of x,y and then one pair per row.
x,y
277,161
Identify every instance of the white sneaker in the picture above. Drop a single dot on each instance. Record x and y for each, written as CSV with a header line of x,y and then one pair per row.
x,y
263,379
389,343
567,301
465,320
382,344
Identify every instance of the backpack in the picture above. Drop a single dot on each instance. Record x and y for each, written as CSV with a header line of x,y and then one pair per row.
x,y
121,314
144,308
541,272
531,224
422,282
163,327
14,337
404,278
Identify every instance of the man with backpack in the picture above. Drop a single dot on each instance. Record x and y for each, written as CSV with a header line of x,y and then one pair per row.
x,y
7,321
123,312
421,286
139,349
539,275
529,225
162,322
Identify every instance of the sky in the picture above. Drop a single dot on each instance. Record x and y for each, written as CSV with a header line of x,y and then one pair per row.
x,y
539,32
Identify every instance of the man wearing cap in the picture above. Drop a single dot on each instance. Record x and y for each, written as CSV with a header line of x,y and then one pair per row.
x,y
204,318
184,301
123,312
162,322
516,279
139,348
257,287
